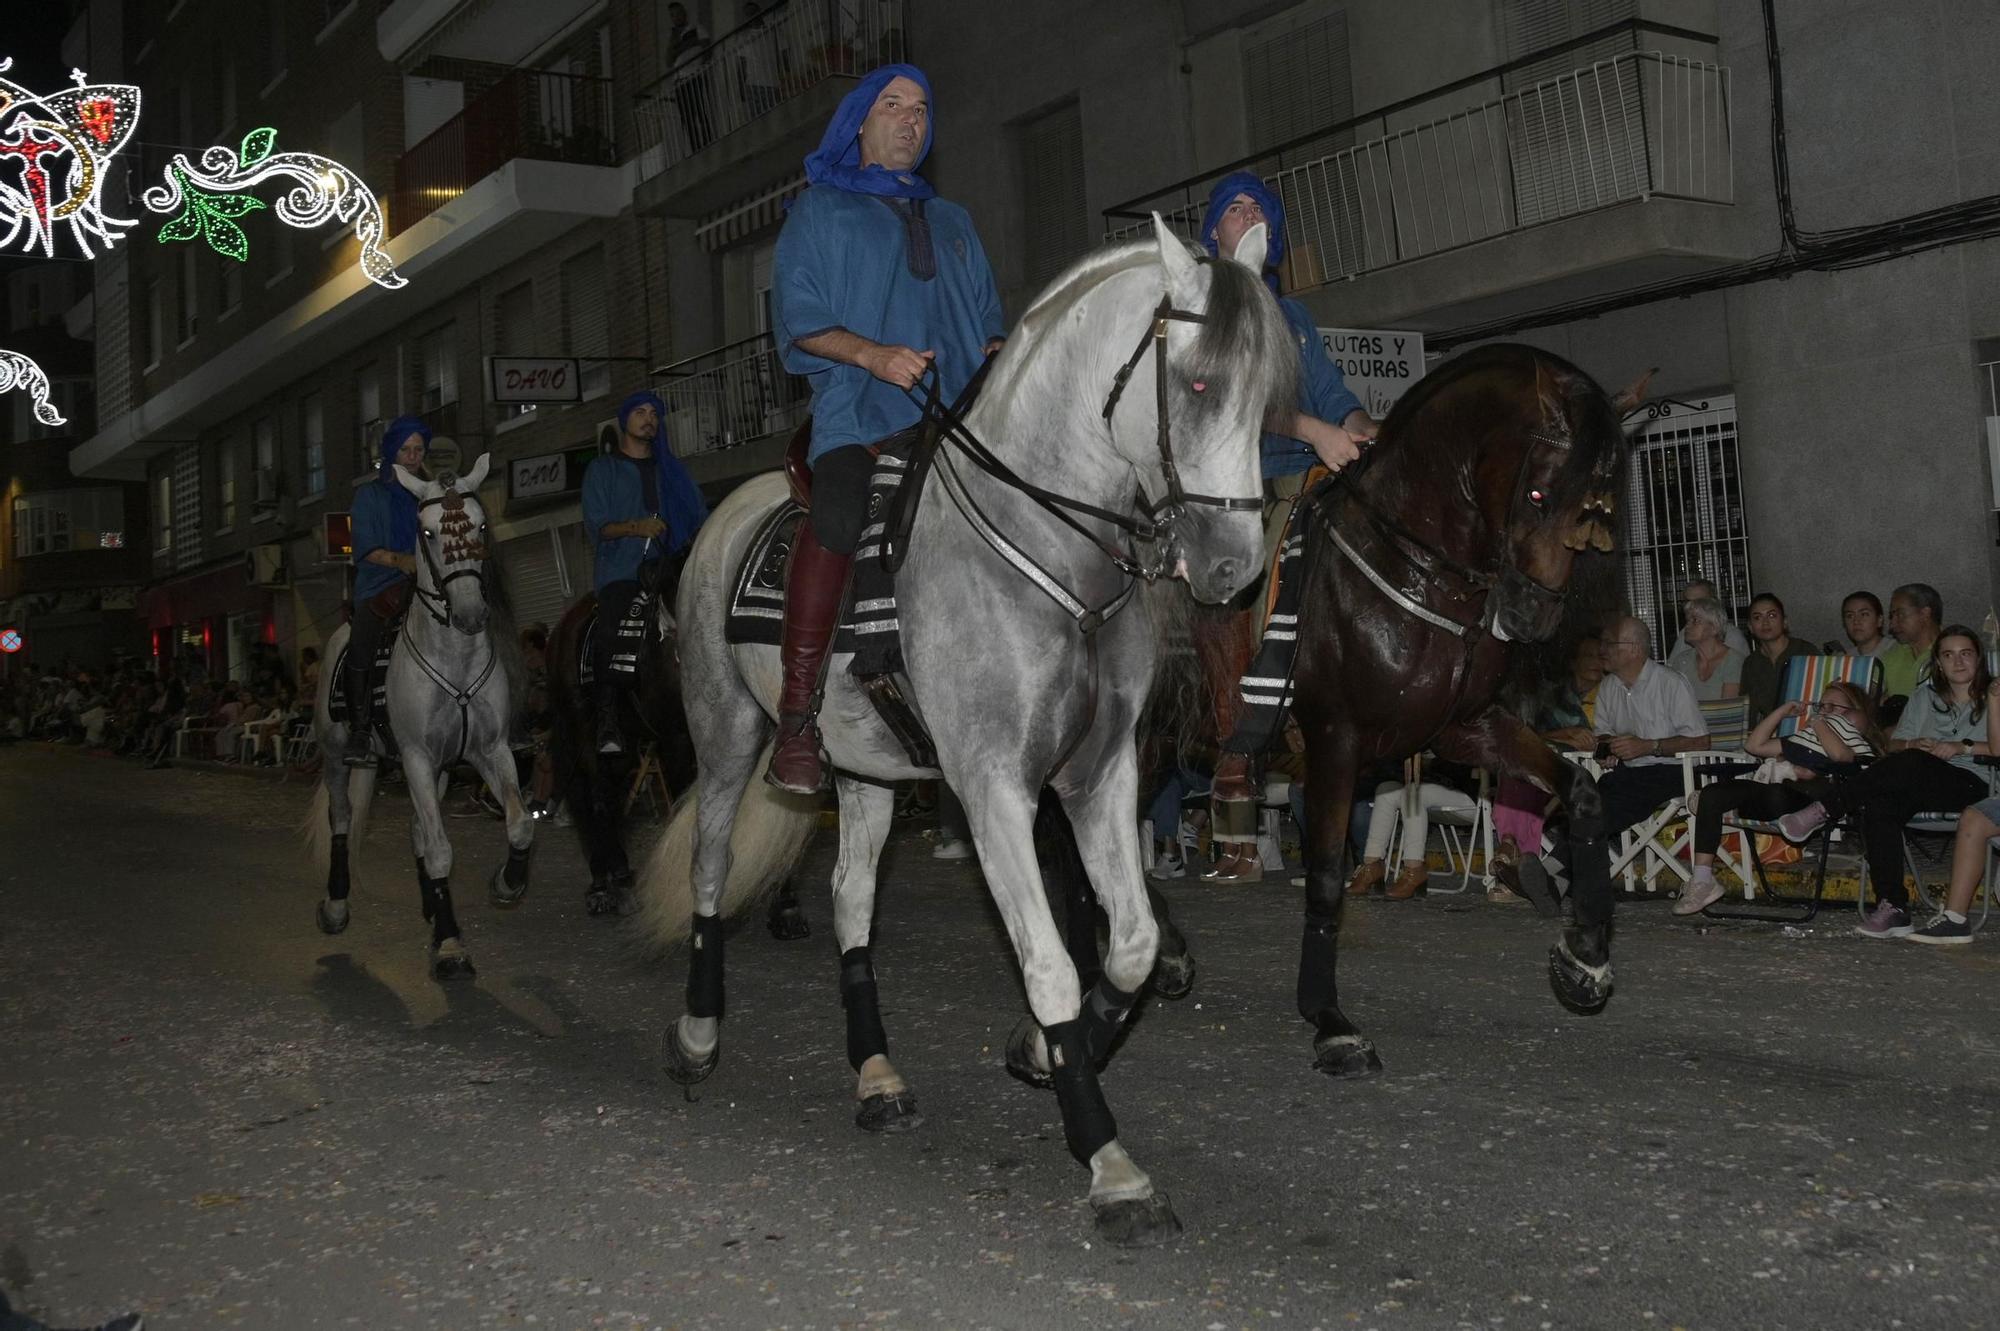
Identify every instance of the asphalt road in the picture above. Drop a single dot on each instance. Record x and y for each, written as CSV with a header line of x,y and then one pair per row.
x,y
210,1112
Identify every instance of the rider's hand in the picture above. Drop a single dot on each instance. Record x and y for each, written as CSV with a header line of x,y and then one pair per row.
x,y
649,526
1361,425
901,366
407,563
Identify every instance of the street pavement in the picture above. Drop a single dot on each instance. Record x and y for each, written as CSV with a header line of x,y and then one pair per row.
x,y
212,1113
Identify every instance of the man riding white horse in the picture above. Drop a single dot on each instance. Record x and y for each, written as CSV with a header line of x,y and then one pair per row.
x,y
877,281
640,512
385,570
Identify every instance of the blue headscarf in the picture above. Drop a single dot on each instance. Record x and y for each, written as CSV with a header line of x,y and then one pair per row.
x,y
634,401
392,439
837,160
1225,192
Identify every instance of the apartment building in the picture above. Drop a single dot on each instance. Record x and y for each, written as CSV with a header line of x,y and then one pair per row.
x,y
587,181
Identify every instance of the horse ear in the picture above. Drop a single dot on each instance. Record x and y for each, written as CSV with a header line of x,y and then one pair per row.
x,y
1551,392
419,488
1183,274
472,479
1254,248
1633,395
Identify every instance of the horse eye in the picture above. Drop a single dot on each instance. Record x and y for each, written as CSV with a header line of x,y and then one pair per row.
x,y
1537,498
429,535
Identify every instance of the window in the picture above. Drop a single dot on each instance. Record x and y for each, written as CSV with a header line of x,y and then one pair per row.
x,y
514,335
1299,80
59,520
264,469
437,368
368,412
225,488
1569,144
586,319
187,320
163,513
312,426
1057,226
156,335
1684,516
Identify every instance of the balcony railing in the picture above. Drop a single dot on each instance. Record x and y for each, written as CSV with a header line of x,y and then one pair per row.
x,y
730,396
747,72
1640,125
529,113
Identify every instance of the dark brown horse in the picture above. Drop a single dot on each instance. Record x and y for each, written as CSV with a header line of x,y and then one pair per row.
x,y
1429,569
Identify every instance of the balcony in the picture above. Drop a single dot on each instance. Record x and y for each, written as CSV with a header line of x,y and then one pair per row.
x,y
712,128
732,410
1406,219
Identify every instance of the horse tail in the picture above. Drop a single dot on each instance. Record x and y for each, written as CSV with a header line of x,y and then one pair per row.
x,y
766,840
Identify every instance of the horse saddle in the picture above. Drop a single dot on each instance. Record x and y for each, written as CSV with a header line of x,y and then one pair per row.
x,y
378,684
869,626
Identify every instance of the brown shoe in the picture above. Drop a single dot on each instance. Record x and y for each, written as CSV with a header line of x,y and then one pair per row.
x,y
1414,876
1236,867
1367,878
1233,784
815,586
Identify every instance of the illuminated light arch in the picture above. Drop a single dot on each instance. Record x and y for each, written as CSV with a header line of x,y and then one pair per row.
x,y
19,371
85,126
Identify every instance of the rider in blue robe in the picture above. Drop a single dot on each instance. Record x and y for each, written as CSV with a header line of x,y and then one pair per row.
x,y
877,280
385,525
641,511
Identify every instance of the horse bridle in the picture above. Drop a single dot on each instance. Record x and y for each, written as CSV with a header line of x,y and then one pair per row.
x,y
435,602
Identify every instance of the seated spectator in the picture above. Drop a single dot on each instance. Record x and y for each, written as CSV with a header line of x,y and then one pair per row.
x,y
1915,612
1834,733
1646,715
228,718
1977,826
1698,590
1712,668
1861,617
1772,650
1394,806
1561,716
308,692
1929,767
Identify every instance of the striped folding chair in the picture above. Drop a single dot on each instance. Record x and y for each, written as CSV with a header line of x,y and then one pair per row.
x,y
1806,677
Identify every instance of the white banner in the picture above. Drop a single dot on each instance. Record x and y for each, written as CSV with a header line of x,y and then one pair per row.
x,y
533,379
1379,364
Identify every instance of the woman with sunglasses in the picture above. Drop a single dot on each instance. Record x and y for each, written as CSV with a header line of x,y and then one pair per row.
x,y
1833,733
1930,766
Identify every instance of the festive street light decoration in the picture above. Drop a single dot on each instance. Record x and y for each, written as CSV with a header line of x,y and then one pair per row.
x,y
212,199
19,371
53,155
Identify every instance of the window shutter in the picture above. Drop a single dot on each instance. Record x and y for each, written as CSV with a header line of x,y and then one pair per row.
x,y
534,577
515,321
1297,80
1580,141
587,317
1058,228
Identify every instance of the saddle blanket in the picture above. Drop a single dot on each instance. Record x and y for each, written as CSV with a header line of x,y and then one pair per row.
x,y
631,640
870,627
1266,686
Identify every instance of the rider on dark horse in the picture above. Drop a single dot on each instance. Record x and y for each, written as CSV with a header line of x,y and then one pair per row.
x,y
877,281
385,571
1327,427
641,511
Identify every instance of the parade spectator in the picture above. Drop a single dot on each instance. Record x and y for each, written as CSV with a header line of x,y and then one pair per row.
x,y
686,44
1929,767
1861,617
1561,715
1977,826
1712,669
1397,805
1915,612
309,675
1646,715
1702,589
230,712
1770,656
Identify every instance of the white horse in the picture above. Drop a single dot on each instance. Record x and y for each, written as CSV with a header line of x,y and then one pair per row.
x,y
448,699
1021,663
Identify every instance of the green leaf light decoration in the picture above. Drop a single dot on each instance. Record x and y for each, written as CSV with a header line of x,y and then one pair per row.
x,y
211,216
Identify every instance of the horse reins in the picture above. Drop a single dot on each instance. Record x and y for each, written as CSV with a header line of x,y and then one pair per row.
x,y
438,608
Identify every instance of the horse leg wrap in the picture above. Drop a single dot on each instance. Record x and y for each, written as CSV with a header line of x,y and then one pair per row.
x,y
437,909
865,1036
1318,986
1103,1013
517,865
1087,1121
704,994
336,869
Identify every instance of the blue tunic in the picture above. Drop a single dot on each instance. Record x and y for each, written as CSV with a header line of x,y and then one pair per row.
x,y
612,493
1323,394
385,518
843,262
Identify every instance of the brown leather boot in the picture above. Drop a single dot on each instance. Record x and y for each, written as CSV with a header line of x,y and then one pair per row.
x,y
1233,784
815,586
1367,878
1414,876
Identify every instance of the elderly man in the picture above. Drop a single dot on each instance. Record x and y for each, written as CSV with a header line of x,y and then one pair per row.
x,y
1916,614
1646,715
640,512
877,281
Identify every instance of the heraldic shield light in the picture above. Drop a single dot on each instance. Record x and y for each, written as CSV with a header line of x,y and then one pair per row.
x,y
53,153
18,371
211,199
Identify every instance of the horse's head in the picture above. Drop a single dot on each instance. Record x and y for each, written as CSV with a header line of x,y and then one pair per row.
x,y
451,542
1218,355
1550,480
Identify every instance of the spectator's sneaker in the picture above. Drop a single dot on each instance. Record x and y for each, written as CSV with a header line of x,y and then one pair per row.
x,y
1887,920
1796,827
1168,865
1698,896
952,849
1942,929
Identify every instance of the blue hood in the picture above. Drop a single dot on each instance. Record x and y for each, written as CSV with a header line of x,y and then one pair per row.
x,y
1246,182
837,160
393,436
639,399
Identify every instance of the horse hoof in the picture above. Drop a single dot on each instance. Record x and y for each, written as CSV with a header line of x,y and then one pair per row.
x,y
1142,1222
1582,988
1021,1057
1173,977
450,961
502,893
789,925
890,1112
1351,1056
599,901
682,1067
333,916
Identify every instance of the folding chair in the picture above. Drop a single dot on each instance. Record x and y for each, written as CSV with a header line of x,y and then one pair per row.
x,y
1477,827
649,781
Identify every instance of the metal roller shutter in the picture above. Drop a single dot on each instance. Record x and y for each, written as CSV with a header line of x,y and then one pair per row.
x,y
533,574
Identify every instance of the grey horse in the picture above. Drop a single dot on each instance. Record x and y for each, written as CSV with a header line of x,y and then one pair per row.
x,y
449,699
1028,656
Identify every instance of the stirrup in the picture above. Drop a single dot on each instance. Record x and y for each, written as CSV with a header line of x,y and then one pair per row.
x,y
794,732
362,756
